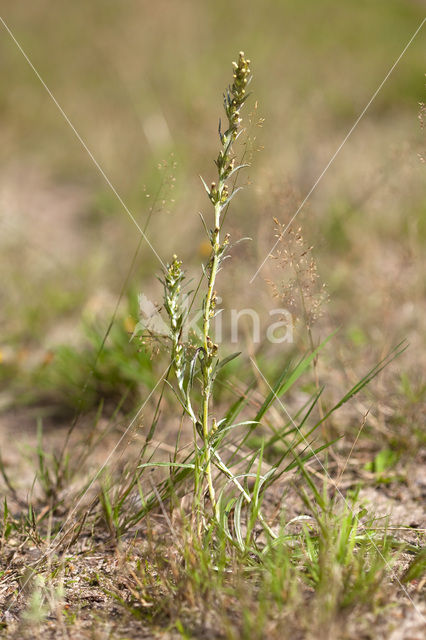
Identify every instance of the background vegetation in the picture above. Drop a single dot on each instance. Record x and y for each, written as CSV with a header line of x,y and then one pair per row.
x,y
141,82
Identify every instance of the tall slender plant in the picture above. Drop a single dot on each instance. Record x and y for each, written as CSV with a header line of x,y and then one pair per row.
x,y
206,355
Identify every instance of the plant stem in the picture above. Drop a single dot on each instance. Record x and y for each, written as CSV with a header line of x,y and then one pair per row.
x,y
234,99
207,345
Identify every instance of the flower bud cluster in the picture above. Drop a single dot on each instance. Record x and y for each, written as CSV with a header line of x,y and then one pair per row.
x,y
173,277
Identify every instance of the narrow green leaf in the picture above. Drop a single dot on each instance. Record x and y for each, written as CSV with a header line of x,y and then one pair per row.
x,y
284,383
225,361
167,464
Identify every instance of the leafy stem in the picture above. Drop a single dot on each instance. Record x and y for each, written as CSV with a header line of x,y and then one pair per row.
x,y
234,98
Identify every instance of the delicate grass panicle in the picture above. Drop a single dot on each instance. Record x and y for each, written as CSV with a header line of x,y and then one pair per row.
x,y
299,288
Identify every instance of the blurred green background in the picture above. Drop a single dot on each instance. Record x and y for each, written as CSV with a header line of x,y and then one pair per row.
x,y
142,84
